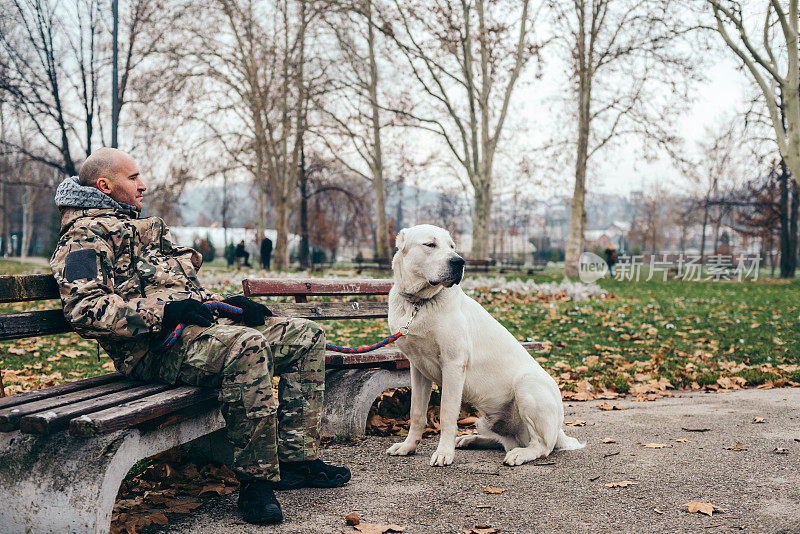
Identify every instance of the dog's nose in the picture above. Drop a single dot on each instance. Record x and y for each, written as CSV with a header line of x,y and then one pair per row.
x,y
456,262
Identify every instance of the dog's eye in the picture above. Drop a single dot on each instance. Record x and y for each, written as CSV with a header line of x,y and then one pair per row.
x,y
432,245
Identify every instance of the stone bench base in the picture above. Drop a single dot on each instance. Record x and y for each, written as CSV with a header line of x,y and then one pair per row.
x,y
59,483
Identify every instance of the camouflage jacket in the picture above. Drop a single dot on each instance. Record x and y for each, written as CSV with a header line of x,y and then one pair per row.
x,y
115,273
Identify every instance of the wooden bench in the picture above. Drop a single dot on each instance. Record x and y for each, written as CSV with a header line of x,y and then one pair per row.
x,y
478,266
374,264
64,450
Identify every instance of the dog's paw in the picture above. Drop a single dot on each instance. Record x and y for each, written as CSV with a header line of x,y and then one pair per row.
x,y
442,457
401,449
462,442
520,455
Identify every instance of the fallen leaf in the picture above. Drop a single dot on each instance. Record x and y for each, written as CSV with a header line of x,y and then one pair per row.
x,y
607,407
490,489
375,528
683,440
352,519
654,445
695,429
759,420
158,518
607,440
182,507
622,484
702,507
780,450
468,421
656,510
738,447
577,422
480,529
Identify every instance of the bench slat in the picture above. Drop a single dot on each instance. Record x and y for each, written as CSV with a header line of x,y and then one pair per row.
x,y
9,417
58,418
336,360
330,310
52,391
139,411
29,287
34,323
264,287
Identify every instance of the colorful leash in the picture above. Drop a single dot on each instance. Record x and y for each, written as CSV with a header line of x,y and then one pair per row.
x,y
235,310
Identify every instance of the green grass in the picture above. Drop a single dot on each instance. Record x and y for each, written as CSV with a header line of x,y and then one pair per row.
x,y
686,331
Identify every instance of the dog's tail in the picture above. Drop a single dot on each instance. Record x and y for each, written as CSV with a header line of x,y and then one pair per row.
x,y
566,443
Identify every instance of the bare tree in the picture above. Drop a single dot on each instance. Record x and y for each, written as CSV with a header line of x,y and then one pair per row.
x,y
769,52
353,108
624,60
251,75
54,56
467,58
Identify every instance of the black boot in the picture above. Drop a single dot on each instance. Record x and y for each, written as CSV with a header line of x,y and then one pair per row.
x,y
257,503
311,474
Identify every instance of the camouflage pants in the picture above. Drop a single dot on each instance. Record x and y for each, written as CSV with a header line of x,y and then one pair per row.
x,y
240,361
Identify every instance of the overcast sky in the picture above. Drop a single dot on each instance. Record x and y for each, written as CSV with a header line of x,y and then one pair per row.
x,y
621,170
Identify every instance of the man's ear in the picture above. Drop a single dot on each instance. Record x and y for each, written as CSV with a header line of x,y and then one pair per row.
x,y
104,185
400,240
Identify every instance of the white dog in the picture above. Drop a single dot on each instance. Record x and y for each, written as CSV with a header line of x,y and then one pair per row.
x,y
454,342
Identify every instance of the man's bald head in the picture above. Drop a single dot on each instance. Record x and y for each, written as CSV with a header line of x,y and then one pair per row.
x,y
114,173
102,163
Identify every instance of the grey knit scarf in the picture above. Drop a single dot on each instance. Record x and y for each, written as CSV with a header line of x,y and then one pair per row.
x,y
71,194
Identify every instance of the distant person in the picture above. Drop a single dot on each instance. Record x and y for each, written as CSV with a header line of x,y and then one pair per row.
x,y
240,252
266,252
611,258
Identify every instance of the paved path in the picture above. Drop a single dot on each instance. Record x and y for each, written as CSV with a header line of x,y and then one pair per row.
x,y
758,490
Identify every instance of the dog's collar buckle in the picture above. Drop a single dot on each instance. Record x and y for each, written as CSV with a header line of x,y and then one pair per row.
x,y
404,329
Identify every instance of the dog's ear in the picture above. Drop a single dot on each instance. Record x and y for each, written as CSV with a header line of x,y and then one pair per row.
x,y
400,240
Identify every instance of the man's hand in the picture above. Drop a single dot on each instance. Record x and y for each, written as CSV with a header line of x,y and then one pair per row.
x,y
187,311
254,312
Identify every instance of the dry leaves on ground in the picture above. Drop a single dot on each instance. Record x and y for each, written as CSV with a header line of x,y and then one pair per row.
x,y
607,407
607,440
621,484
701,507
780,450
170,485
576,422
738,447
654,445
352,519
683,440
374,528
480,529
490,489
759,420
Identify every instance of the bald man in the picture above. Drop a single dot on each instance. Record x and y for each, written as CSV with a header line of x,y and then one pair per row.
x,y
125,283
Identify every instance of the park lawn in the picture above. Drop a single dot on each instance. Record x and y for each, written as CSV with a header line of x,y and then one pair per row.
x,y
648,337
644,338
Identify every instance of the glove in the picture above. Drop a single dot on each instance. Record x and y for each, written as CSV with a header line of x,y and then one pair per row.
x,y
254,312
187,311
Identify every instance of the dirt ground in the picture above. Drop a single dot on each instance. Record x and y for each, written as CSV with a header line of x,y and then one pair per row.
x,y
753,487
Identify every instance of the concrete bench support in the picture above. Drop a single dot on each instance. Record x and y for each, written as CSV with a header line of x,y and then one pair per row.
x,y
59,483
349,394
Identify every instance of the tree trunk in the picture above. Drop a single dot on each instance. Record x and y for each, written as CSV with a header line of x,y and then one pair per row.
x,y
793,237
304,254
577,220
281,251
480,221
703,234
787,254
28,199
384,249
